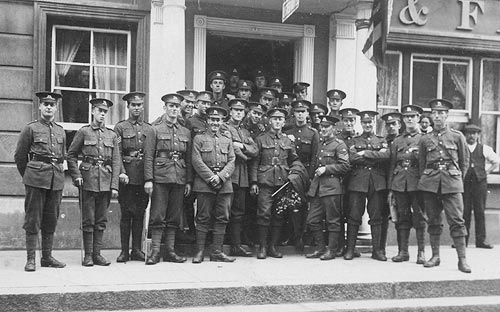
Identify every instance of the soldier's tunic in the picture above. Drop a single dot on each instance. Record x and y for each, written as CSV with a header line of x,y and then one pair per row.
x,y
167,162
306,141
367,179
132,197
197,124
213,153
403,180
255,130
100,168
443,159
325,190
269,169
39,157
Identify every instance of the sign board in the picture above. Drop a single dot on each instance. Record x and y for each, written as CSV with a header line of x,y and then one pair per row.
x,y
289,6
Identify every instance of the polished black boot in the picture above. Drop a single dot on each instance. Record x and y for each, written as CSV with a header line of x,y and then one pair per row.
x,y
31,240
154,258
171,256
47,259
352,236
297,220
377,254
342,241
137,254
200,242
124,241
383,236
275,236
97,257
262,233
421,245
462,261
88,246
403,237
320,245
435,260
332,246
217,254
236,248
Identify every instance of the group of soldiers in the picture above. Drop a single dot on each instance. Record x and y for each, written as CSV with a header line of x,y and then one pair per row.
x,y
234,156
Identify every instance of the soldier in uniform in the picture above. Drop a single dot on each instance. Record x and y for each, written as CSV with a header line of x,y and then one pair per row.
x,y
306,141
254,121
233,79
99,176
260,81
267,96
443,161
168,176
335,98
187,105
276,84
300,90
198,122
244,150
367,182
331,163
244,90
317,110
285,100
268,172
39,157
403,181
213,162
217,80
132,197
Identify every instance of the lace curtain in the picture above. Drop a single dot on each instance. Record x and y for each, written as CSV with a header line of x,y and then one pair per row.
x,y
490,102
387,88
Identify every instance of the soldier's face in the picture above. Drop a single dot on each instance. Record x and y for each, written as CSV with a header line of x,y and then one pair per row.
x,y
393,127
334,104
136,109
349,124
425,123
187,106
172,110
326,131
302,94
277,122
255,116
301,115
99,114
367,126
217,85
202,107
315,117
244,94
266,101
214,123
237,114
439,117
277,88
411,121
233,81
260,81
47,109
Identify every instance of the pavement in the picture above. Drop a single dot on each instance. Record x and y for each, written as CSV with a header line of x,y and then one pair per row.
x,y
246,282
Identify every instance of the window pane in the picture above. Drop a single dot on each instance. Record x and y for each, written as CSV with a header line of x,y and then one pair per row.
x,y
425,77
76,76
110,49
455,84
117,111
75,106
388,81
72,46
106,78
489,125
491,86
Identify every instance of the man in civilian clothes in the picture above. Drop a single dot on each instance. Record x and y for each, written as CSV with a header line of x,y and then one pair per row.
x,y
132,197
39,157
443,161
98,175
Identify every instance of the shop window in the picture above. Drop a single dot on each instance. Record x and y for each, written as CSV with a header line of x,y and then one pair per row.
x,y
87,63
490,102
389,82
441,77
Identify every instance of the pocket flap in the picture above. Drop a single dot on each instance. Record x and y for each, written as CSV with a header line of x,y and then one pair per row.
x,y
35,164
89,142
41,140
108,143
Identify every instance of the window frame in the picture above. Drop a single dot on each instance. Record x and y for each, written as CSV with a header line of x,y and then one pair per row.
x,y
400,81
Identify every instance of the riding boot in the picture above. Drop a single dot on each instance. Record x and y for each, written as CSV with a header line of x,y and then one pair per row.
x,y
262,233
47,259
88,246
31,240
137,253
275,236
320,245
421,245
171,256
236,248
352,236
435,260
330,253
403,236
297,220
201,237
376,234
124,240
217,254
462,261
97,257
383,236
156,235
341,244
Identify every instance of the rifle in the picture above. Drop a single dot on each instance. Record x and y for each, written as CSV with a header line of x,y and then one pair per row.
x,y
281,189
80,205
146,242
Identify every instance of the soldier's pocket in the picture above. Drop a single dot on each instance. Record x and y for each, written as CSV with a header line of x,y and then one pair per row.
x,y
85,169
454,172
452,149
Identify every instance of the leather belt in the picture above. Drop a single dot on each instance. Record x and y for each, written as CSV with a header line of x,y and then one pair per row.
x,y
407,163
134,153
216,169
440,165
170,155
367,167
97,161
47,159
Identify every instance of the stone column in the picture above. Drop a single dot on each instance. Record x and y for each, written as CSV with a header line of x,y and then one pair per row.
x,y
167,52
200,52
304,54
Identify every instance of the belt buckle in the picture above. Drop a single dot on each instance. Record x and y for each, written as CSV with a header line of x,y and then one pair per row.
x,y
54,160
442,166
175,157
406,162
275,161
99,162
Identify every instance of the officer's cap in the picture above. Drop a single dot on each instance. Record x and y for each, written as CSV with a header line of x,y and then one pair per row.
x,y
301,105
472,128
172,98
237,103
189,95
285,97
298,86
348,112
336,94
275,81
277,112
411,110
328,120
257,107
268,92
234,73
440,104
101,103
47,96
258,73
205,96
134,97
245,84
217,74
367,115
392,117
319,108
216,111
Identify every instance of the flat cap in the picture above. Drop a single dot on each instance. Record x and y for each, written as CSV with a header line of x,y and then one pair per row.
x,y
472,128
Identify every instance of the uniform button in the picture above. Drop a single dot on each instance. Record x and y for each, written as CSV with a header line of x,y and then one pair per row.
x,y
407,152
322,151
440,152
369,168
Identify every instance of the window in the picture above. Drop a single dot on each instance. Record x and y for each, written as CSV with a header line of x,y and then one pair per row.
x,y
441,77
389,82
490,102
89,63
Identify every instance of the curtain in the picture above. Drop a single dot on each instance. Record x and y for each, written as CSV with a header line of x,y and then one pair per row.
x,y
387,88
110,49
490,102
458,77
67,44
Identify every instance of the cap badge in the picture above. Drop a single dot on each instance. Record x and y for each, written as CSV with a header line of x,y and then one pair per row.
x,y
50,97
367,116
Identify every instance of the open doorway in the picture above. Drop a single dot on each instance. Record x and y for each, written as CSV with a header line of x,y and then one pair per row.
x,y
275,57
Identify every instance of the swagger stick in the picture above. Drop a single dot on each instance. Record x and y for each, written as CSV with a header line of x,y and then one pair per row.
x,y
80,205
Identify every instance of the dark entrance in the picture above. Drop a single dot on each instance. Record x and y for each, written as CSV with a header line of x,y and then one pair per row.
x,y
246,55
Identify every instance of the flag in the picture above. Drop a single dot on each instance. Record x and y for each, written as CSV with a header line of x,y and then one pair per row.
x,y
376,42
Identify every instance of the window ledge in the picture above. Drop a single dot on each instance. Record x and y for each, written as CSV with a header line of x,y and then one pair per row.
x,y
493,178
